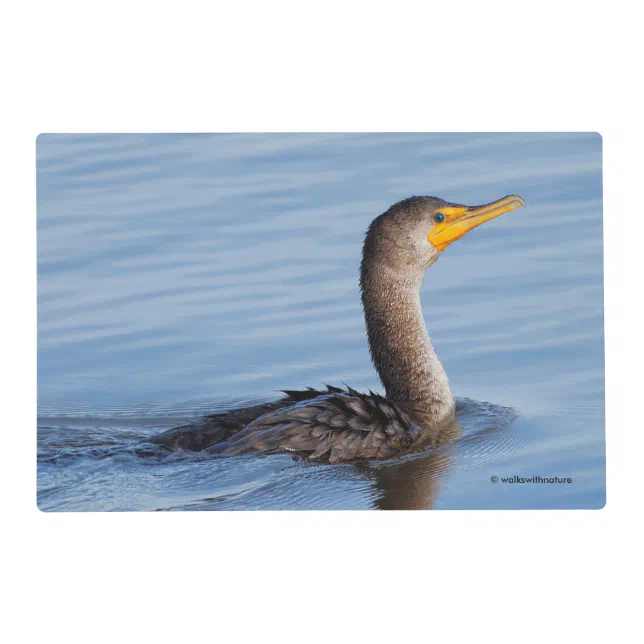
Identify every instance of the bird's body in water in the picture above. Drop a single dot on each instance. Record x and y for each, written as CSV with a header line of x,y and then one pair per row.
x,y
343,424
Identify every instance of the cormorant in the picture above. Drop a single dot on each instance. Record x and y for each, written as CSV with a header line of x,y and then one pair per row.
x,y
340,425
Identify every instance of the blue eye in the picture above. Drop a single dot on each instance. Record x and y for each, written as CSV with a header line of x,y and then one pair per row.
x,y
439,217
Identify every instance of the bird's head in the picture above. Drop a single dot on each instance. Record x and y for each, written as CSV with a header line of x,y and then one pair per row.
x,y
413,233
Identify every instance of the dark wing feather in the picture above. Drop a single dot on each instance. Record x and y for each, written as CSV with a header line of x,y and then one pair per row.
x,y
335,425
331,426
218,428
297,395
214,429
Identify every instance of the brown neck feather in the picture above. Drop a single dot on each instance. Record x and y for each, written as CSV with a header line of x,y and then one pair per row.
x,y
400,346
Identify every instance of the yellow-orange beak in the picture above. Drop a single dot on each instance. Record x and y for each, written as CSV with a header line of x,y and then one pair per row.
x,y
459,220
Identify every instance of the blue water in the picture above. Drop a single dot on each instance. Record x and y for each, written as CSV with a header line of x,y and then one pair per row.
x,y
185,274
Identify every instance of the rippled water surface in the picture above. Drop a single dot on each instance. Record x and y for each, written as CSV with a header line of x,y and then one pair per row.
x,y
181,275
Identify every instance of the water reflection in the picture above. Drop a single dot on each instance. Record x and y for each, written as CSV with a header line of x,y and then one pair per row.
x,y
413,483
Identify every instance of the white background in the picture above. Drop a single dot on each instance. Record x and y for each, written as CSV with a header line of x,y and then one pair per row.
x,y
337,66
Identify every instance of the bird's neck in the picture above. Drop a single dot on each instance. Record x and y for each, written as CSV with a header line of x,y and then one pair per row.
x,y
402,352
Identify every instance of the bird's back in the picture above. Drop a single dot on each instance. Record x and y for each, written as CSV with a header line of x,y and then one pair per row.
x,y
335,425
